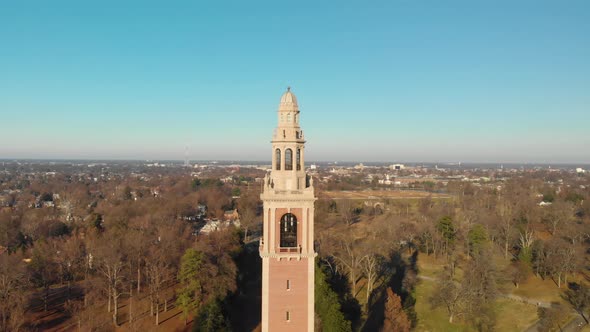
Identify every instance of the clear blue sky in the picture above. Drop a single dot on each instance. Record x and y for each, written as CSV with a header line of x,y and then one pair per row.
x,y
376,81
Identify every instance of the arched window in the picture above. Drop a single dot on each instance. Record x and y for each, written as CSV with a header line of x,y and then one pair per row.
x,y
278,159
288,231
288,160
298,160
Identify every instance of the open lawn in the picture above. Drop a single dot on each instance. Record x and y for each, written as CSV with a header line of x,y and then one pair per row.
x,y
514,316
382,194
510,315
433,320
539,289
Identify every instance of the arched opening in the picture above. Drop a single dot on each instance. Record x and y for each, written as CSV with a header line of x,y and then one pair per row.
x,y
278,159
288,160
298,159
288,231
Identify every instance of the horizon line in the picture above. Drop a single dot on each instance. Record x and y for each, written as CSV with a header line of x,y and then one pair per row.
x,y
454,163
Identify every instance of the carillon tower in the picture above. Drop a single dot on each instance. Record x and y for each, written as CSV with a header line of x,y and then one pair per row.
x,y
286,246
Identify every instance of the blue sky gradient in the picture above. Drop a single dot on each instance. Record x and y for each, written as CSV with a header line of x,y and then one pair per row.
x,y
496,81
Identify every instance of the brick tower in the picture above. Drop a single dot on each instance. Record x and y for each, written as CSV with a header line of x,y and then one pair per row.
x,y
286,246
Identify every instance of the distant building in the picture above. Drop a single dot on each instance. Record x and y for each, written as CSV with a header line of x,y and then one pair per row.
x,y
201,211
4,201
227,179
231,215
397,167
386,181
580,170
215,225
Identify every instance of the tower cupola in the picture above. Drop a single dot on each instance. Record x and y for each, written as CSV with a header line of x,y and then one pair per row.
x,y
288,111
288,102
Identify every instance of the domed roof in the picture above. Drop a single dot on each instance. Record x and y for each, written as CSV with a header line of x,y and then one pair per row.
x,y
288,100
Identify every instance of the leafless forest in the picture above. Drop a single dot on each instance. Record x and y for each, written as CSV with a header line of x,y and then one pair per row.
x,y
123,247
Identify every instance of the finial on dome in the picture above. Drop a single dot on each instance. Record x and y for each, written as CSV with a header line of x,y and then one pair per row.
x,y
288,101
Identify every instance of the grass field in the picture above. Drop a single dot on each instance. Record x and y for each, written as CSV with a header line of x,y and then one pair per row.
x,y
510,315
514,316
539,289
382,194
433,320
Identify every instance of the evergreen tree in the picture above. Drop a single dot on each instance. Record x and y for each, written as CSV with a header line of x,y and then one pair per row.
x,y
327,305
211,318
446,229
477,238
189,294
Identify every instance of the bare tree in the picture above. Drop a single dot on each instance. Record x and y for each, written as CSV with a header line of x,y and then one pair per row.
x,y
159,271
75,309
111,265
349,258
559,214
552,318
560,259
371,264
526,239
506,223
578,297
43,270
346,209
426,238
406,231
71,260
466,219
449,294
247,207
13,297
136,246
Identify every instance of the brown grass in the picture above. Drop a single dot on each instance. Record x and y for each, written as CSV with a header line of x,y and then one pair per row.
x,y
382,194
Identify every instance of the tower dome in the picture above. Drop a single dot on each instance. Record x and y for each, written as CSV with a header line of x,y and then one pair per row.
x,y
288,101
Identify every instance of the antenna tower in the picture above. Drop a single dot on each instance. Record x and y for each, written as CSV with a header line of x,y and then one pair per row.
x,y
186,164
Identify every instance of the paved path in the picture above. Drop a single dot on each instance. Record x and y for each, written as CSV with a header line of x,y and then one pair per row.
x,y
527,300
